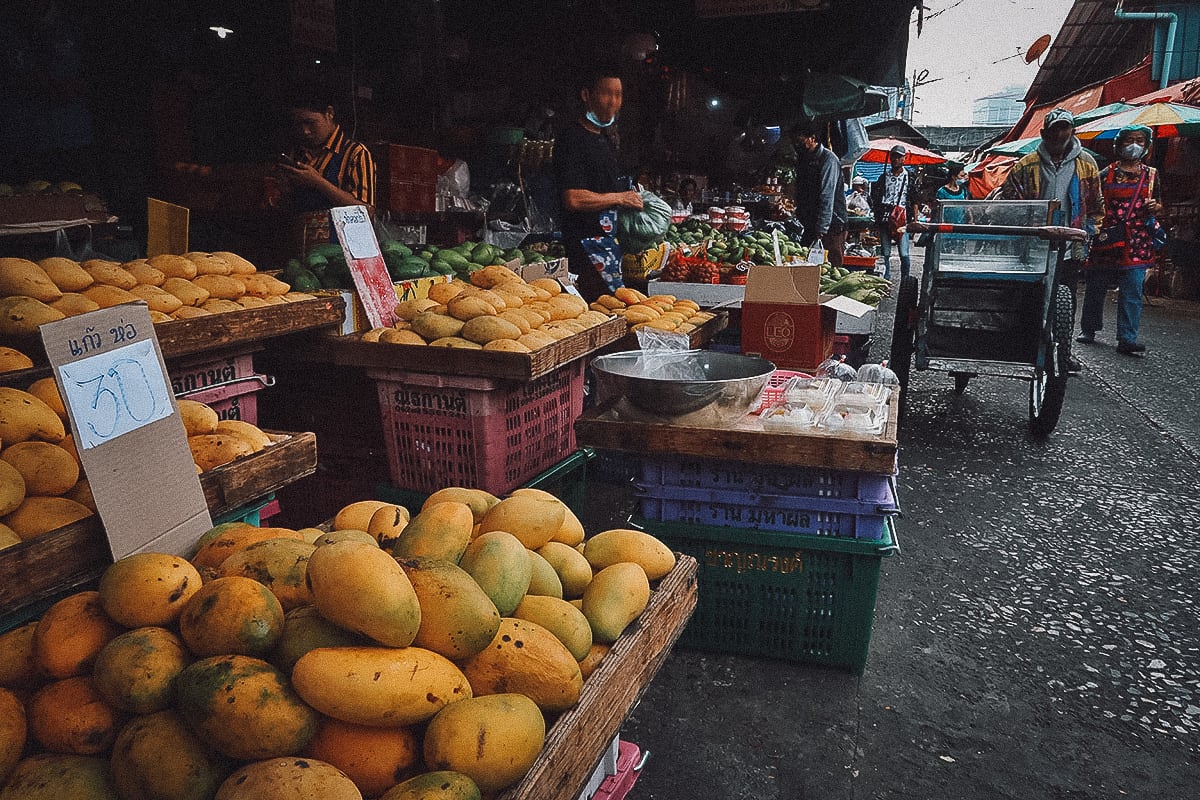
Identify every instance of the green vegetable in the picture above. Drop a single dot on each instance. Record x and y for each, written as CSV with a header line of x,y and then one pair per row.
x,y
638,231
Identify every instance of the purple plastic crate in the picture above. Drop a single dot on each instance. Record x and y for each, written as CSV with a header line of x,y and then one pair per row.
x,y
745,477
811,516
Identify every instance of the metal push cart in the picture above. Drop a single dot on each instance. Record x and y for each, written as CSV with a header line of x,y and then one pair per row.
x,y
989,302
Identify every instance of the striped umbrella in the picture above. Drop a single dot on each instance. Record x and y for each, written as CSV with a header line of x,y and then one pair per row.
x,y
1165,119
1019,147
1102,111
878,150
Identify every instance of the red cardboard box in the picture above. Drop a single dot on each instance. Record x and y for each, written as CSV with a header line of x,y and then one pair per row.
x,y
786,320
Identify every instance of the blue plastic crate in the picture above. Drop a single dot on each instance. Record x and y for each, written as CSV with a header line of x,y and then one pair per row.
x,y
684,472
798,514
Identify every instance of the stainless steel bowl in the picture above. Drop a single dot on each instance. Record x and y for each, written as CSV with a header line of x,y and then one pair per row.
x,y
693,387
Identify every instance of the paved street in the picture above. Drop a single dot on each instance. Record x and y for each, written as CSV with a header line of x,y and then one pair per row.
x,y
1037,638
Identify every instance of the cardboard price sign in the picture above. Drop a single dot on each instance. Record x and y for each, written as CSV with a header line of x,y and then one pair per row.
x,y
127,428
357,238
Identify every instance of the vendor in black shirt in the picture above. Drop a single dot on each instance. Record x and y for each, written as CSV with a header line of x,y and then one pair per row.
x,y
589,181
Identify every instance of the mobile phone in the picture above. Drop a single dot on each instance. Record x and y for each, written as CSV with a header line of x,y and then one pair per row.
x,y
284,158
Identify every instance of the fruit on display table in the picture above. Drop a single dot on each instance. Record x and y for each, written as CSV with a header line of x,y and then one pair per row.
x,y
496,310
392,676
662,311
174,287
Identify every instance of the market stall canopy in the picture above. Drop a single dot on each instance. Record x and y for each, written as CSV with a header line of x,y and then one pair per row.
x,y
1164,119
1103,111
1018,147
878,150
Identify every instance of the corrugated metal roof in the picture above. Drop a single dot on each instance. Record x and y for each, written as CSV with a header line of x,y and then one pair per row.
x,y
1091,46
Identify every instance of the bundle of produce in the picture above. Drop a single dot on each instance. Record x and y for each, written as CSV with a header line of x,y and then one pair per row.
x,y
496,310
662,311
174,287
397,656
855,284
642,229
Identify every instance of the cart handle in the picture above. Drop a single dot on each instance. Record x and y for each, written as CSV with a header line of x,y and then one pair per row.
x,y
1054,233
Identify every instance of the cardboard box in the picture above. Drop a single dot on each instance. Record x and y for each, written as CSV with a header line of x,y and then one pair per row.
x,y
409,197
786,319
356,316
26,209
551,268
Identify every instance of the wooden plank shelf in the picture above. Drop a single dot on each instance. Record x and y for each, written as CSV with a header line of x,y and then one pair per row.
x,y
746,440
227,330
352,351
578,738
75,554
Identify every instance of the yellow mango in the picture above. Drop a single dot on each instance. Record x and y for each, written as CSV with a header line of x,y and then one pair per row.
x,y
525,657
19,276
363,589
624,545
357,515
457,618
146,589
543,580
573,570
387,523
67,275
24,417
615,598
38,515
500,565
493,740
478,500
533,519
381,686
441,784
48,469
442,530
286,778
21,316
565,621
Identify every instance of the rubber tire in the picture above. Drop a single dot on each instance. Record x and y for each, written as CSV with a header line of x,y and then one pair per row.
x,y
904,329
1043,417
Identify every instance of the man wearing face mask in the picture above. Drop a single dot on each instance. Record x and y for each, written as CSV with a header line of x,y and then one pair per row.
x,y
591,187
1060,169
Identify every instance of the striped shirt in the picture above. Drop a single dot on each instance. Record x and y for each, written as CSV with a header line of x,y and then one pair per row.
x,y
356,173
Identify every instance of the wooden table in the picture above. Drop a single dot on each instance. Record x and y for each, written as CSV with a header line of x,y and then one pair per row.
x,y
746,440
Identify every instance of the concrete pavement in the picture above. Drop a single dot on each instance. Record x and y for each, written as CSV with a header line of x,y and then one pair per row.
x,y
1037,638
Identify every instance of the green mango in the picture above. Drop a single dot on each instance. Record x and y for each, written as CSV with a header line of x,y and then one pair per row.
x,y
305,281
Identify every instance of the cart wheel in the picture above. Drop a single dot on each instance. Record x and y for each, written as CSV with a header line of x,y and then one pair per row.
x,y
960,381
904,330
1049,388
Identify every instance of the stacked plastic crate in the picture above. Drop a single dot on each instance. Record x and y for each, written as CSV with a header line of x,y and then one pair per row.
x,y
789,555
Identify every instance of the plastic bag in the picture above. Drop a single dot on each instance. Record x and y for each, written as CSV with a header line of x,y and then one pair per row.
x,y
82,252
640,230
455,181
836,367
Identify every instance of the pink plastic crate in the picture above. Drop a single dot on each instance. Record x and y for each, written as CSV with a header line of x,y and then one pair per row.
x,y
443,430
190,375
629,765
237,399
773,392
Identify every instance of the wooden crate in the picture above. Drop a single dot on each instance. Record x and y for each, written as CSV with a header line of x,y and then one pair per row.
x,y
352,351
746,439
578,738
217,332
71,556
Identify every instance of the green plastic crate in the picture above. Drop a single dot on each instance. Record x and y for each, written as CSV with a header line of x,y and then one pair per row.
x,y
566,480
781,595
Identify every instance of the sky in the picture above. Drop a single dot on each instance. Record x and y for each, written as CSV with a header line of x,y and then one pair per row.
x,y
970,48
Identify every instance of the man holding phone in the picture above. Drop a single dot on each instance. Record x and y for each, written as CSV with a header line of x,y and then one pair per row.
x,y
327,168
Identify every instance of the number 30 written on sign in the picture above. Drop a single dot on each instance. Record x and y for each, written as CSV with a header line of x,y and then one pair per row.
x,y
111,394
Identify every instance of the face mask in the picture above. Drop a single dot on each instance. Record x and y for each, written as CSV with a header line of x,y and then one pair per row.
x,y
595,121
1131,152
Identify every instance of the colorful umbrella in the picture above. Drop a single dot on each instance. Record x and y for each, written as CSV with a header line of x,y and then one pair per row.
x,y
1165,119
878,150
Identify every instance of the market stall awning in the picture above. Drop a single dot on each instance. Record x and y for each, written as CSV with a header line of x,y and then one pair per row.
x,y
878,149
1164,119
1018,148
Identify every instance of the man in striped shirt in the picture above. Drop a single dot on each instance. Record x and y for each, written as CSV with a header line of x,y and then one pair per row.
x,y
327,168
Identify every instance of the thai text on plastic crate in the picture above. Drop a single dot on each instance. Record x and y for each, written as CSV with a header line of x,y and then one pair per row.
x,y
779,595
765,478
815,516
443,430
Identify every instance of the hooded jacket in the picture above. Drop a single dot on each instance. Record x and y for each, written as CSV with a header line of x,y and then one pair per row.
x,y
1073,181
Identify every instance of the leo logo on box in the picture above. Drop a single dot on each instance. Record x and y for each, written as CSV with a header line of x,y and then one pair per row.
x,y
779,331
